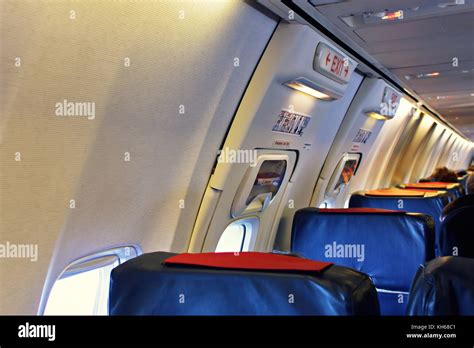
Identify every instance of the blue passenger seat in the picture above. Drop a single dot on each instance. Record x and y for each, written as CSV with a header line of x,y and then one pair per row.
x,y
387,245
456,237
444,286
455,190
428,202
163,283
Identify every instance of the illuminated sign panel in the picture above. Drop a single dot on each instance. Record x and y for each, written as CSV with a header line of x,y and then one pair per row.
x,y
390,16
333,64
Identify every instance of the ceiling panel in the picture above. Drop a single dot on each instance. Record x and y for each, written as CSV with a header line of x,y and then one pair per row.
x,y
400,30
419,46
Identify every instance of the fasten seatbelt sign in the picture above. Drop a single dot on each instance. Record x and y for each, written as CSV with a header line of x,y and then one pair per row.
x,y
333,64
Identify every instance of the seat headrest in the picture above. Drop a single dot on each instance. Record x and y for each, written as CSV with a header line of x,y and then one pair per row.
x,y
250,284
456,236
395,192
463,201
359,211
455,189
437,185
444,286
388,247
248,260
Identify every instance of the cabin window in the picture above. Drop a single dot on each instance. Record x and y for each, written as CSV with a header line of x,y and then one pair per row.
x,y
239,236
343,173
83,287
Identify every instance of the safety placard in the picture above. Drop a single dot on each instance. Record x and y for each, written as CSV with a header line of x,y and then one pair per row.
x,y
291,123
362,136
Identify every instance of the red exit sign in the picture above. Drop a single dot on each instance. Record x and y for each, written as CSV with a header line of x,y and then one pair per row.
x,y
333,64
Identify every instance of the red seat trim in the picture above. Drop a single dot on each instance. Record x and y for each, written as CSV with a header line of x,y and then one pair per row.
x,y
394,192
248,260
432,185
361,211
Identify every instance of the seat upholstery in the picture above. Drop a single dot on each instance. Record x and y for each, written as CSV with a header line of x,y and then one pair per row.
x,y
456,236
462,178
387,245
444,286
454,190
146,286
431,203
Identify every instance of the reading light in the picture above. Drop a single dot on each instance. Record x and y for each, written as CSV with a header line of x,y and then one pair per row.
x,y
423,75
378,116
306,86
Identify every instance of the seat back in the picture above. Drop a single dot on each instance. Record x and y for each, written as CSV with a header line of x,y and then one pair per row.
x,y
456,237
462,178
417,201
152,285
387,245
444,286
455,190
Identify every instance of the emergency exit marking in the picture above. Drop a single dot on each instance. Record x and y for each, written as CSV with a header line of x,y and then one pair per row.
x,y
332,64
362,136
292,123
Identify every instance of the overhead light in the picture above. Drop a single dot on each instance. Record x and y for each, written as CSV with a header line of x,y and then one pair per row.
x,y
423,75
385,16
309,87
378,116
450,3
391,16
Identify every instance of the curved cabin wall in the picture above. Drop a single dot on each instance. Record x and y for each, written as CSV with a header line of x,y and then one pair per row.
x,y
374,170
168,105
439,142
393,175
368,98
289,55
